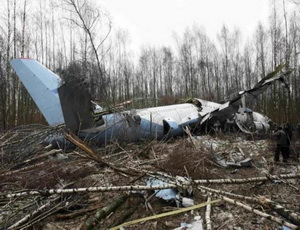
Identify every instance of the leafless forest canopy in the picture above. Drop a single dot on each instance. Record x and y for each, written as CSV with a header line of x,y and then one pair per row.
x,y
78,40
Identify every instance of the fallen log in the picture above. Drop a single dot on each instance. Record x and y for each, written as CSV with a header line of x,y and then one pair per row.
x,y
207,214
93,221
294,218
231,180
177,184
279,209
83,190
255,211
128,214
247,180
79,143
34,213
164,214
229,194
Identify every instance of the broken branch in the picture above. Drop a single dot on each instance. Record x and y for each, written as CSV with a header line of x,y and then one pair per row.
x,y
268,216
207,214
164,214
247,180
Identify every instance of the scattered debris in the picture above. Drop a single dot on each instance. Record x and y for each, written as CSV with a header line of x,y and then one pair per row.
x,y
168,194
197,224
136,186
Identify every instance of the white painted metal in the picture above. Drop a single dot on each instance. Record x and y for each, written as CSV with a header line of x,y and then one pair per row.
x,y
42,85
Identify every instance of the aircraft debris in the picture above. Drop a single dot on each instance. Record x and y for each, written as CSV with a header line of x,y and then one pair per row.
x,y
70,103
40,191
197,224
232,160
165,194
170,195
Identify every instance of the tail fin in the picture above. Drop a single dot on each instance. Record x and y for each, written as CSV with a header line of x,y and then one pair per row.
x,y
42,85
76,105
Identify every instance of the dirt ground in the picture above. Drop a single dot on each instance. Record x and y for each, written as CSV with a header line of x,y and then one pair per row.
x,y
29,170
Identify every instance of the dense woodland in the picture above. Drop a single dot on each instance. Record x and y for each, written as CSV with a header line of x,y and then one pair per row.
x,y
78,39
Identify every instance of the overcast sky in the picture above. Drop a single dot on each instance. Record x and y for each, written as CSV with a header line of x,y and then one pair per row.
x,y
153,22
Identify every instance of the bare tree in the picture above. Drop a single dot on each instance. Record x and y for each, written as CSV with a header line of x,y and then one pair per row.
x,y
7,81
88,18
187,62
168,68
2,83
287,44
223,38
260,43
24,18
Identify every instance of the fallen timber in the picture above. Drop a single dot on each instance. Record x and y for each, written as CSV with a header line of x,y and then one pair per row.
x,y
251,209
268,216
294,218
247,191
207,214
288,214
35,212
143,187
166,214
93,221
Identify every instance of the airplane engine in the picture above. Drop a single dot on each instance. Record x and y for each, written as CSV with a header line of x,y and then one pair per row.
x,y
261,127
250,122
261,122
242,117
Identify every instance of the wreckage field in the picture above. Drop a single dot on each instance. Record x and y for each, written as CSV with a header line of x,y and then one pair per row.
x,y
190,182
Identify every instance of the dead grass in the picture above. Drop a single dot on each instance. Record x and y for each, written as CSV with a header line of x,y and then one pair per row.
x,y
186,160
45,176
176,157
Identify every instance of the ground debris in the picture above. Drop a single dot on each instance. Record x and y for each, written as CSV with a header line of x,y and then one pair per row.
x,y
63,190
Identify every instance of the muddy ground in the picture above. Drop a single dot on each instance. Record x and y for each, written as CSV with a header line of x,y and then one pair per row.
x,y
30,169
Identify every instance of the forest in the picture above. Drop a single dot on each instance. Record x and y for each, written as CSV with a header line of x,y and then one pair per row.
x,y
78,40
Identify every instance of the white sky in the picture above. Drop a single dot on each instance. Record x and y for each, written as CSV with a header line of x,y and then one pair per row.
x,y
153,22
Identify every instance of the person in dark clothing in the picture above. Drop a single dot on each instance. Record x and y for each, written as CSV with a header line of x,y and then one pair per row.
x,y
288,130
283,145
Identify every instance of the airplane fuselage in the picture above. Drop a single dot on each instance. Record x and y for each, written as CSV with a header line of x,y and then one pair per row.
x,y
65,102
155,123
166,121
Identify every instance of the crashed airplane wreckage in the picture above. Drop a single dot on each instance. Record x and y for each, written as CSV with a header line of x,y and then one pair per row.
x,y
61,102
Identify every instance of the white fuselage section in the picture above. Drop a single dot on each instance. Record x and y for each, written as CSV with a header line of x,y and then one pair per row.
x,y
156,122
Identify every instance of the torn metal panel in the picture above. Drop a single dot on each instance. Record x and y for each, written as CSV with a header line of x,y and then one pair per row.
x,y
77,106
170,195
165,194
196,224
234,159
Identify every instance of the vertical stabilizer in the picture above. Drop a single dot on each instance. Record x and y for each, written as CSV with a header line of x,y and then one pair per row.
x,y
76,105
42,86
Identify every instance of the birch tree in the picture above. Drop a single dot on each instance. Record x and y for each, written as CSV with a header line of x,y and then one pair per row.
x,y
89,19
